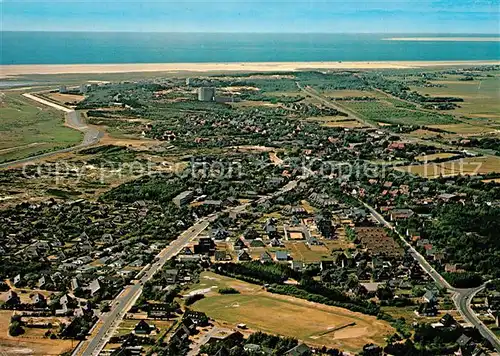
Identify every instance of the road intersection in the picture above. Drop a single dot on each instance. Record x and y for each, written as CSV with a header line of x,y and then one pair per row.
x,y
461,297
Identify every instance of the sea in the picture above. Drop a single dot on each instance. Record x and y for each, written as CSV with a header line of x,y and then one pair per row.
x,y
125,47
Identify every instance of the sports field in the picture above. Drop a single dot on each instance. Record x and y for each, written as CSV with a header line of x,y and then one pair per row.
x,y
387,112
312,323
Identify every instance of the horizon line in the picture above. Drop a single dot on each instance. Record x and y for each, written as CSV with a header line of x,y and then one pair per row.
x,y
258,33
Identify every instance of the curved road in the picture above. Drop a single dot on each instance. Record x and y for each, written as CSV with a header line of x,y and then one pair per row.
x,y
461,297
73,119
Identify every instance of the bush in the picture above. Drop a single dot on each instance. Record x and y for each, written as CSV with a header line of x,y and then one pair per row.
x,y
194,298
16,329
228,291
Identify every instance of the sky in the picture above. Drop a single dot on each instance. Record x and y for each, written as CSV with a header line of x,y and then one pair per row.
x,y
313,16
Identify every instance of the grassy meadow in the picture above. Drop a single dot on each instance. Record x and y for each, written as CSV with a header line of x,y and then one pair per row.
x,y
276,314
28,128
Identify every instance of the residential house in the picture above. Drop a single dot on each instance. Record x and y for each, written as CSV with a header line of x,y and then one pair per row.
x,y
143,328
401,214
159,311
183,331
67,301
251,234
94,287
171,275
205,245
12,299
38,300
219,234
225,335
430,296
257,243
426,309
198,318
276,243
186,251
447,320
281,255
265,257
297,265
239,244
244,256
42,281
467,347
17,280
183,198
326,264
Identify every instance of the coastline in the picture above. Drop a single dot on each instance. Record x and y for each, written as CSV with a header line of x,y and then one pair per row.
x,y
9,71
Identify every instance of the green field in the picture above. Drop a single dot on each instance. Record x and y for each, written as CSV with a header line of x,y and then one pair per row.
x,y
28,128
387,112
481,96
276,314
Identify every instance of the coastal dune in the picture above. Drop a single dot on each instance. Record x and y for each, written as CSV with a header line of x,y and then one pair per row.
x,y
18,70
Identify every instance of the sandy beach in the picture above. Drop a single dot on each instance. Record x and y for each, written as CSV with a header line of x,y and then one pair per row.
x,y
445,39
18,70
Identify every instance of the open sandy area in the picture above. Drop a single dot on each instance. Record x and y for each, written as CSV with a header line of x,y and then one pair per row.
x,y
15,70
446,39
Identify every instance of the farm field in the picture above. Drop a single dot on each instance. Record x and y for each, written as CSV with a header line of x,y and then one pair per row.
x,y
464,129
387,112
27,128
349,93
277,314
481,97
30,343
470,166
335,121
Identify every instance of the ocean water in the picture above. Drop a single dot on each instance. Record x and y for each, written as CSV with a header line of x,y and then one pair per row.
x,y
94,47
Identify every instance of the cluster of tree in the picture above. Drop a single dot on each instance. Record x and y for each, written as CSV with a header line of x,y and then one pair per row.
x,y
326,296
463,279
488,143
468,235
400,89
275,274
135,95
16,326
256,272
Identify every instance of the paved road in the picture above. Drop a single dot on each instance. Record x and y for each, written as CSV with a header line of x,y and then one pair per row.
x,y
73,119
312,92
128,297
202,341
461,297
